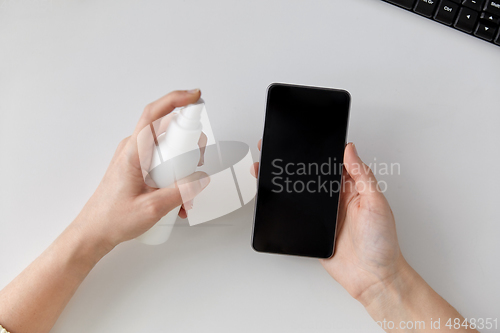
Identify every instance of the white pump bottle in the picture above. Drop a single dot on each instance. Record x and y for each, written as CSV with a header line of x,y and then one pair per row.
x,y
179,158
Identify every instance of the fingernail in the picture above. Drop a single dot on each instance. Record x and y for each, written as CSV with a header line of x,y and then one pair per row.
x,y
194,91
354,148
204,181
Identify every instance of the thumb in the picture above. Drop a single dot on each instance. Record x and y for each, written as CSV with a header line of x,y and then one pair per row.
x,y
166,199
366,183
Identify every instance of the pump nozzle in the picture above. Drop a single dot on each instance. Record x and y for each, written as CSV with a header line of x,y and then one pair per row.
x,y
193,111
190,115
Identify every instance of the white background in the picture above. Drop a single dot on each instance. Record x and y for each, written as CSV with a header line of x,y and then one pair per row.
x,y
75,75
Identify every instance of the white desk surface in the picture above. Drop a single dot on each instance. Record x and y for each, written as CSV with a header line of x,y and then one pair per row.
x,y
75,75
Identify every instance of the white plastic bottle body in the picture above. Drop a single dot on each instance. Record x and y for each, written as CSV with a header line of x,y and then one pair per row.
x,y
179,158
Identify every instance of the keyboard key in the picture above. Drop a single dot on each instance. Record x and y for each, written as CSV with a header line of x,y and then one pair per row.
x,y
477,5
426,7
495,20
485,31
408,4
447,11
466,20
493,7
497,40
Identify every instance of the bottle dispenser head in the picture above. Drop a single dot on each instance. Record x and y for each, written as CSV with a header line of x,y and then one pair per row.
x,y
193,111
190,115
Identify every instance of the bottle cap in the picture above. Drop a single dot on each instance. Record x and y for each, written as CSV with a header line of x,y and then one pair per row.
x,y
193,111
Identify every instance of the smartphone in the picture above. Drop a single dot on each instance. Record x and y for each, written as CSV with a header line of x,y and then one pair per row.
x,y
300,171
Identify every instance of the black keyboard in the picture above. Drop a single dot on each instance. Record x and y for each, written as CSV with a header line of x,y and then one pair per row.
x,y
479,18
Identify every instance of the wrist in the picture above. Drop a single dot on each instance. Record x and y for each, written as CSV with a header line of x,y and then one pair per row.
x,y
89,228
394,297
388,288
86,245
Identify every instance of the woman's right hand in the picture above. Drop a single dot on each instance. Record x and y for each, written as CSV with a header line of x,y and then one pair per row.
x,y
368,262
367,254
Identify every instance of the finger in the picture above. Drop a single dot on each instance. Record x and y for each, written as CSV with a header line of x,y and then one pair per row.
x,y
254,169
165,199
165,105
366,183
347,195
184,208
146,145
188,205
147,141
165,121
147,129
202,143
182,213
192,185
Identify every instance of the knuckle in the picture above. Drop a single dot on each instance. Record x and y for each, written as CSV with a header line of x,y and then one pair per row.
x,y
148,108
123,142
152,210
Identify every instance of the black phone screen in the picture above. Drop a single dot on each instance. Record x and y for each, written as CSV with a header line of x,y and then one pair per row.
x,y
300,172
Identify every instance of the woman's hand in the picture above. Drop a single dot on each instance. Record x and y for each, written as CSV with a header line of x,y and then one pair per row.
x,y
368,262
367,254
123,206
